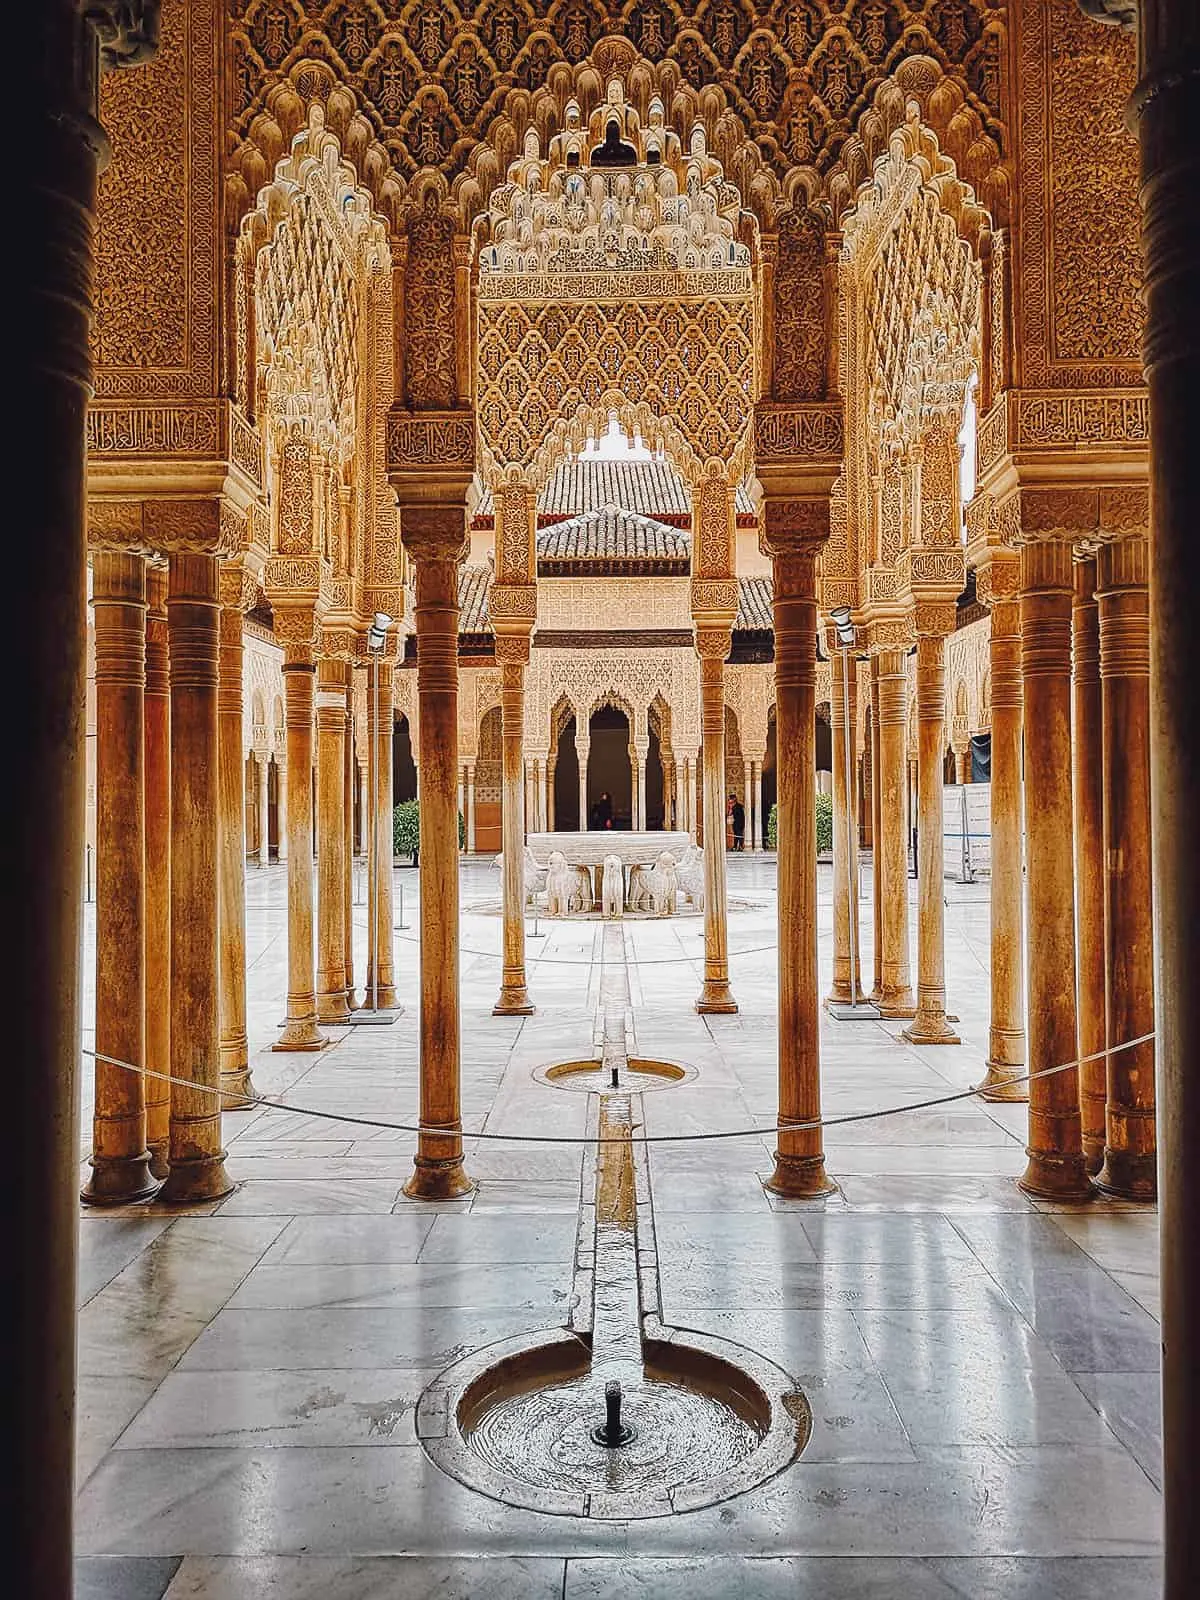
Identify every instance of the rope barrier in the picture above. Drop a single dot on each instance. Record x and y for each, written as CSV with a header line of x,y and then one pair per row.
x,y
654,961
644,1138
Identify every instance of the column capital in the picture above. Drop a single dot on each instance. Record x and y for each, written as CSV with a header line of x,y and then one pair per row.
x,y
713,641
933,618
512,611
714,603
432,533
794,527
239,587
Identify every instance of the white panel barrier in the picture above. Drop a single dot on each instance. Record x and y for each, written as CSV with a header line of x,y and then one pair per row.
x,y
967,830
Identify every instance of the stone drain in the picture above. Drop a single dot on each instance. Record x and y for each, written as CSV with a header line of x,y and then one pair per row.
x,y
616,1415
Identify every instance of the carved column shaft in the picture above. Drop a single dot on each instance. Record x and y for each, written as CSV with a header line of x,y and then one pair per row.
x,y
713,646
193,613
158,872
845,866
1056,1166
381,716
1129,1167
435,539
1169,132
120,1161
895,992
582,748
471,807
760,822
929,1026
331,841
300,1030
872,759
799,1156
551,765
1006,1034
348,776
231,896
1087,792
263,759
513,653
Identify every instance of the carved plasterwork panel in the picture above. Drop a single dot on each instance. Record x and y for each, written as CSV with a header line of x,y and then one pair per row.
x,y
967,663
1078,264
262,685
158,237
584,605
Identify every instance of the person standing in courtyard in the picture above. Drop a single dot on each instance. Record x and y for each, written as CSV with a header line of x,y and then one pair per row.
x,y
738,814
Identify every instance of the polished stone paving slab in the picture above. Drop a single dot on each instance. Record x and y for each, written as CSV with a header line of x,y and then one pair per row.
x,y
982,1368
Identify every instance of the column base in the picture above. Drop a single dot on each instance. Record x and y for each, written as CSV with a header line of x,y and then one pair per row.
x,y
196,1178
513,1002
800,1177
999,1085
159,1163
1128,1175
381,999
236,1088
897,1004
120,1181
332,1008
300,1033
1093,1155
435,1179
930,1027
351,1000
1053,1177
716,998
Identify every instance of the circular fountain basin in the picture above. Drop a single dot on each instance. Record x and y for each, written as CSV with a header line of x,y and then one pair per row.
x,y
515,1421
638,1073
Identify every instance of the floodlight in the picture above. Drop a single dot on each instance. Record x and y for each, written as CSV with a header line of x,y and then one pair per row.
x,y
840,617
377,632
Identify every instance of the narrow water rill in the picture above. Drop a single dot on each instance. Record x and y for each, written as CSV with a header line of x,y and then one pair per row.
x,y
616,1415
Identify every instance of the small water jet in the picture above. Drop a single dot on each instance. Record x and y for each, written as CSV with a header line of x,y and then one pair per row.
x,y
612,1433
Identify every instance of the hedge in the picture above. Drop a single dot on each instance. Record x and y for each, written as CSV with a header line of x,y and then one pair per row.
x,y
824,825
406,829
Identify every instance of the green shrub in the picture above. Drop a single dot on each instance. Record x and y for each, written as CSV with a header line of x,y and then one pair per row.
x,y
824,825
406,829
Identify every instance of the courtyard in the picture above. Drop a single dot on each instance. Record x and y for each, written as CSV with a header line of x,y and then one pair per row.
x,y
982,1367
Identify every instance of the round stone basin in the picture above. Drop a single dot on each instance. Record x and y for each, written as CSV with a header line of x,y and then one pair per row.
x,y
637,1072
711,1420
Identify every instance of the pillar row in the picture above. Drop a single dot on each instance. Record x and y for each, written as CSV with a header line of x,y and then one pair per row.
x,y
347,861
381,972
872,755
332,863
300,1030
846,985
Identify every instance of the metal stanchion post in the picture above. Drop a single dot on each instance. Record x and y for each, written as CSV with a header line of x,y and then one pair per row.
x,y
372,1016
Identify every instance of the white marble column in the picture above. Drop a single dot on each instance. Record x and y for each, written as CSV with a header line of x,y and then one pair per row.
x,y
582,747
470,808
262,762
760,822
641,756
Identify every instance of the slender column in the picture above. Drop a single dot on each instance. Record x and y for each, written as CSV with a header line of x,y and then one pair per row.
x,y
381,975
845,987
929,1026
551,765
348,831
1006,1034
120,1160
462,791
891,844
641,756
748,802
582,748
231,891
471,807
300,1030
682,819
262,758
1087,795
331,841
799,1156
1165,107
193,612
436,540
157,746
875,822
512,652
1056,1167
713,646
281,802
1129,1147
760,822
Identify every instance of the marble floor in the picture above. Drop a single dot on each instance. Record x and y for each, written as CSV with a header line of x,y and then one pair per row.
x,y
982,1368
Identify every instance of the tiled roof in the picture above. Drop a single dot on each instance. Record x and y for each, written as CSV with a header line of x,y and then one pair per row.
x,y
473,585
754,605
650,488
612,535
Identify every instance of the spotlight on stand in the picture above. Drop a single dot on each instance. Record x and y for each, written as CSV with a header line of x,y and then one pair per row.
x,y
373,1015
856,1010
